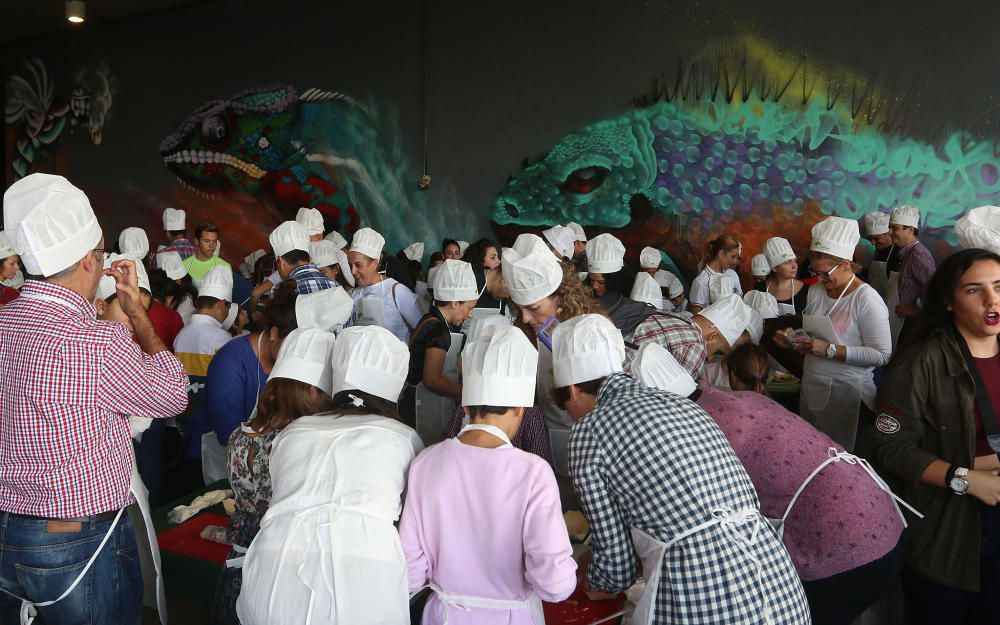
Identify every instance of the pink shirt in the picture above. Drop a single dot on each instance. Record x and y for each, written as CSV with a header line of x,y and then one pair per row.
x,y
842,520
485,523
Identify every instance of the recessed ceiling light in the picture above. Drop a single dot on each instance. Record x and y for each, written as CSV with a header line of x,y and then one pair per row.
x,y
76,11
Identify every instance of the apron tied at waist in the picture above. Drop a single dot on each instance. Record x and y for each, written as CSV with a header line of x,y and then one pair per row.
x,y
729,522
466,603
237,562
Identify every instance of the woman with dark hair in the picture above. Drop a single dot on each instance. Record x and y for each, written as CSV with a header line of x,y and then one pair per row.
x,y
936,432
611,281
327,550
183,297
299,385
166,321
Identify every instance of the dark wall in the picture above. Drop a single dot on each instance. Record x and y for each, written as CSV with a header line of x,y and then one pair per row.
x,y
507,80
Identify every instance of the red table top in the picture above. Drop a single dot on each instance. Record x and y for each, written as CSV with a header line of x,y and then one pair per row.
x,y
579,610
186,539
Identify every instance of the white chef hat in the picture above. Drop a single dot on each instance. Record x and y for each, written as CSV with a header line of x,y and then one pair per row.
x,y
414,251
455,282
759,266
250,262
586,347
306,355
669,281
50,223
577,231
462,246
836,236
432,276
657,368
647,290
905,215
876,223
218,248
133,243
325,310
730,315
370,359
16,282
173,219
499,369
368,242
721,285
479,324
6,248
234,310
527,243
289,236
217,283
605,254
310,219
324,253
764,303
530,278
778,250
980,227
337,239
755,327
561,239
649,258
106,287
171,263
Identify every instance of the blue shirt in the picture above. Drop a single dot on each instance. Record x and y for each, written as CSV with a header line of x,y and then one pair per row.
x,y
235,379
309,279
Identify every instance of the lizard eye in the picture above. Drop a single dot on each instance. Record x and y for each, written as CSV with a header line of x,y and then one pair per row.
x,y
585,180
214,129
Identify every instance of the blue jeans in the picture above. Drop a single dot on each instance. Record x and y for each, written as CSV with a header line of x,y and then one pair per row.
x,y
40,566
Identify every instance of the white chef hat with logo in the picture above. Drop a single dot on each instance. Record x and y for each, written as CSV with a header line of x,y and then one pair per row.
x,y
778,250
50,223
764,303
655,367
326,310
455,282
605,254
289,236
586,347
530,278
414,251
647,290
561,239
759,266
730,315
836,236
6,248
306,355
876,224
134,243
174,219
980,227
649,258
370,359
170,262
905,215
310,219
217,283
368,242
499,368
577,231
337,239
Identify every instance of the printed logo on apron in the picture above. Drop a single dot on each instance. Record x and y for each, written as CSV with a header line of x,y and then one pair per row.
x,y
887,424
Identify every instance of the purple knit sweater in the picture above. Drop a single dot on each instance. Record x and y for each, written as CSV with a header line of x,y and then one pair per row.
x,y
841,521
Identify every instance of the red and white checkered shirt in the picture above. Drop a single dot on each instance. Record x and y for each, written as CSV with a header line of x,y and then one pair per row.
x,y
67,382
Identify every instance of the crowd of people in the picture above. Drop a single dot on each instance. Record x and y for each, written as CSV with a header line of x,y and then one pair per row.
x,y
406,429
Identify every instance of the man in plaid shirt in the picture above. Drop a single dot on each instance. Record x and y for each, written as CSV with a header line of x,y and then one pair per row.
x,y
67,383
656,476
175,227
290,242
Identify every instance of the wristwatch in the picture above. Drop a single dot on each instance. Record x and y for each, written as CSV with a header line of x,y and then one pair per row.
x,y
831,351
959,484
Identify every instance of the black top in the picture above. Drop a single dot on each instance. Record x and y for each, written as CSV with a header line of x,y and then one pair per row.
x,y
799,300
432,331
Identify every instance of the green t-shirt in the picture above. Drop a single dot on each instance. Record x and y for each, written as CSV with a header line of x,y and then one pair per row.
x,y
198,268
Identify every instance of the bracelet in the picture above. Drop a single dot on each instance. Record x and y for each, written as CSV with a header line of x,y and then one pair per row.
x,y
950,474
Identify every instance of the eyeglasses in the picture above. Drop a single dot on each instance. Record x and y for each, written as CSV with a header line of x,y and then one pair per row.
x,y
101,253
824,274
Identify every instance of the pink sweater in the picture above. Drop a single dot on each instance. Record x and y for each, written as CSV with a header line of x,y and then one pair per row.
x,y
485,523
842,520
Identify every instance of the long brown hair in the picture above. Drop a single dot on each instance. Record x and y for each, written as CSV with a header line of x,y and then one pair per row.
x,y
283,401
749,364
722,243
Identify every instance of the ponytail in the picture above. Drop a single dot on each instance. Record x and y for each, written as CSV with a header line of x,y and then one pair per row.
x,y
722,243
749,364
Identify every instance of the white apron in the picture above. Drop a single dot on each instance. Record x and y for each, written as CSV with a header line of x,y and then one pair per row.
x,y
559,422
432,411
370,312
831,390
650,552
878,278
464,602
891,300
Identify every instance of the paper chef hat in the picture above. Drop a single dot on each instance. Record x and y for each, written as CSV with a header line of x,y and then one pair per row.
x,y
370,359
730,315
479,324
763,303
905,216
337,239
106,286
649,258
414,251
759,266
527,243
577,231
217,283
657,368
50,223
778,250
586,347
462,246
133,243
173,219
289,236
305,355
324,253
721,285
368,242
669,281
455,282
561,239
876,224
250,262
532,277
647,290
836,236
170,262
980,227
605,254
6,249
310,219
499,368
325,310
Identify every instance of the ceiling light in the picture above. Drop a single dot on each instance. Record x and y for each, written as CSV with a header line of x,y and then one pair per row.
x,y
76,11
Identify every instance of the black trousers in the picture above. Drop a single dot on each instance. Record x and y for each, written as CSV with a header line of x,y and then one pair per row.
x,y
933,603
840,599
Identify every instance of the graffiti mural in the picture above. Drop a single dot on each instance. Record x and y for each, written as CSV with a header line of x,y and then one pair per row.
x,y
741,143
320,149
36,115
